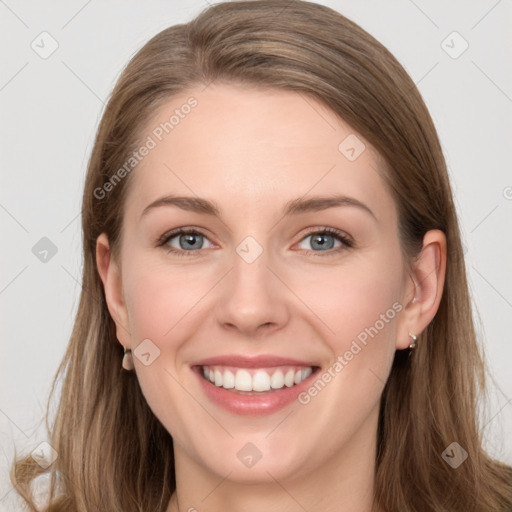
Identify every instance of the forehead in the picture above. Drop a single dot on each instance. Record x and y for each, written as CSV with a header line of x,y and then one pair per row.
x,y
248,147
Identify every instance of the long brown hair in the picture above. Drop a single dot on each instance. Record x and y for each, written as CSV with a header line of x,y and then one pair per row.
x,y
113,454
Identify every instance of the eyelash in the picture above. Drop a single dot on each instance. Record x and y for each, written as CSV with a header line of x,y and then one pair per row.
x,y
347,243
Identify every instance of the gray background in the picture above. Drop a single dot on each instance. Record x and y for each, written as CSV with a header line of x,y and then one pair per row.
x,y
50,111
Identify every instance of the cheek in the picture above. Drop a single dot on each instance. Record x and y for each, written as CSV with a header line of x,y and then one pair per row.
x,y
158,299
356,302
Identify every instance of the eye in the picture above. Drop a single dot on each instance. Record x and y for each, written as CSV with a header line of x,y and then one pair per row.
x,y
186,242
182,241
325,240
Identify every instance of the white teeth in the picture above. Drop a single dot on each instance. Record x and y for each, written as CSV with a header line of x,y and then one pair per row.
x,y
306,373
228,381
289,378
277,380
260,379
243,380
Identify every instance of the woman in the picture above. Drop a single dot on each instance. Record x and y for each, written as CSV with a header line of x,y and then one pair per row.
x,y
272,251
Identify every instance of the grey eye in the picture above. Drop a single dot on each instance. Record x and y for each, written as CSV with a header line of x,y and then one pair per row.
x,y
187,241
321,241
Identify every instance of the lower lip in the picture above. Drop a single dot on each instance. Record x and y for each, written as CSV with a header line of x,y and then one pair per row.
x,y
252,405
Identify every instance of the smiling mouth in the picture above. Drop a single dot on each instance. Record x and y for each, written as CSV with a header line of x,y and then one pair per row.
x,y
256,381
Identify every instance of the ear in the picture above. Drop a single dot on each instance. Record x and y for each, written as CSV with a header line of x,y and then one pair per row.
x,y
110,274
422,294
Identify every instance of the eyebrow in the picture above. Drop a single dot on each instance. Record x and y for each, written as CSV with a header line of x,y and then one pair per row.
x,y
293,207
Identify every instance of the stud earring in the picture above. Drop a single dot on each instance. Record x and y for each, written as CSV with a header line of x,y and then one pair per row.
x,y
413,342
128,360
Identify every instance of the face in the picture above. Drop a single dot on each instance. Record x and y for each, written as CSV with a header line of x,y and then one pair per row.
x,y
293,266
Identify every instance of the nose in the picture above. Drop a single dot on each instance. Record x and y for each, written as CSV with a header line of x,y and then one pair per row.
x,y
253,299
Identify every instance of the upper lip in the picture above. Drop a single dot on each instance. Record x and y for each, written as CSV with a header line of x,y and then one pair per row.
x,y
262,361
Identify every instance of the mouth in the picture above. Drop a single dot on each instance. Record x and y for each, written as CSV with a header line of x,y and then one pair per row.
x,y
256,380
251,389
